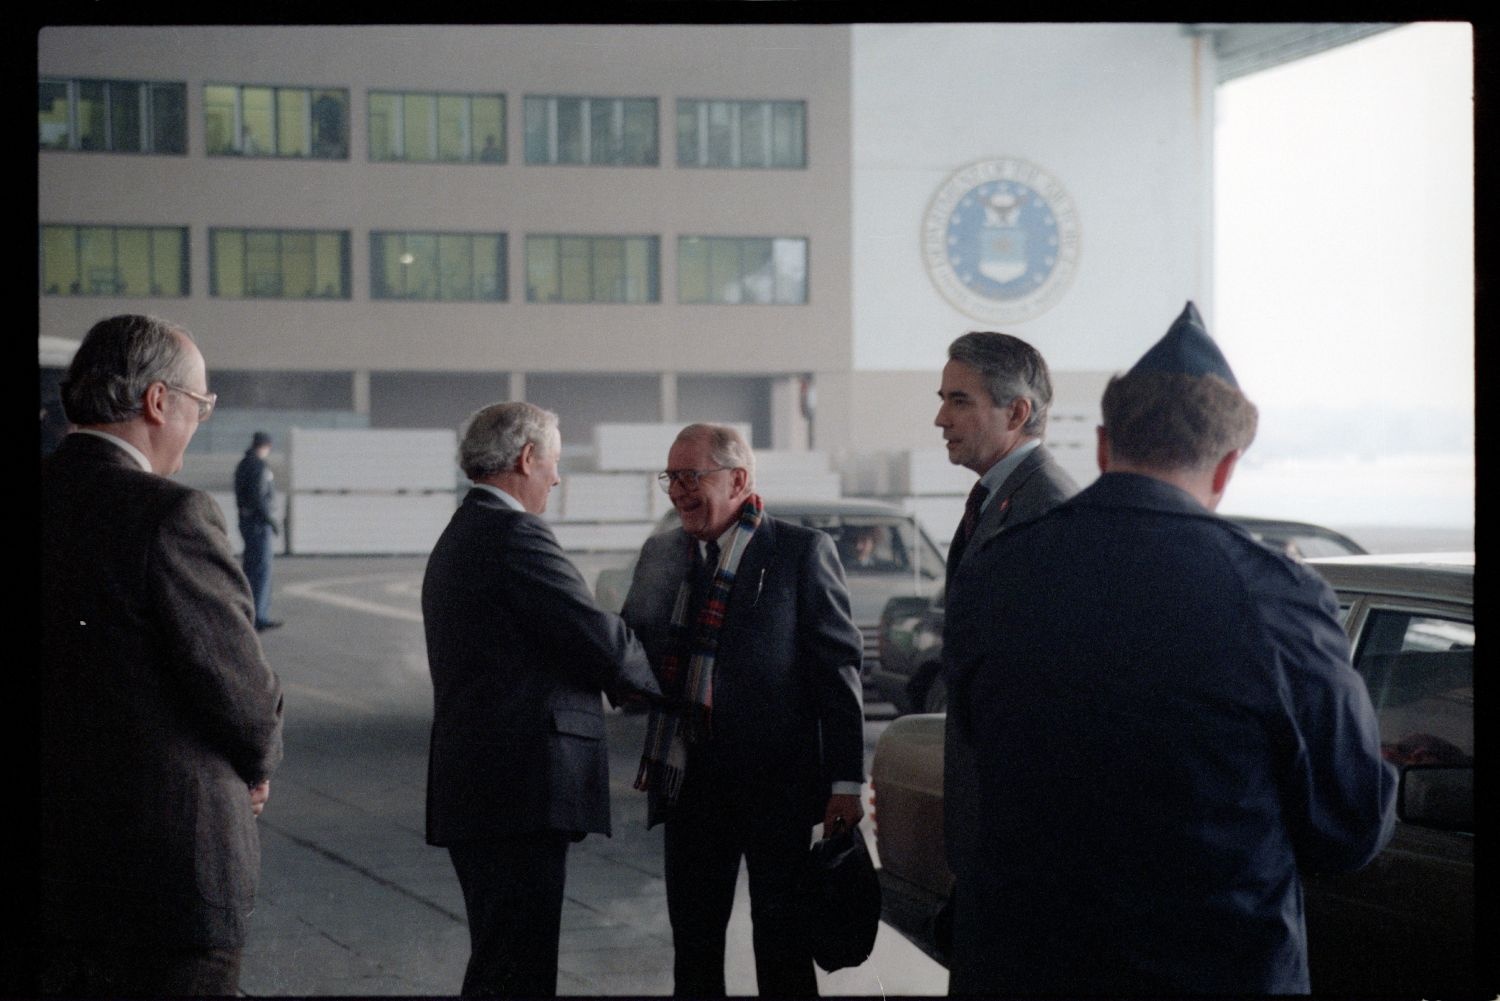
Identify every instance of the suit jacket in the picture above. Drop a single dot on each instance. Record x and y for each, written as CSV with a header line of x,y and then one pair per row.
x,y
159,710
787,711
519,653
1166,730
1032,489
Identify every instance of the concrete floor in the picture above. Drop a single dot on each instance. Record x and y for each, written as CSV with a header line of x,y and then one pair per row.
x,y
354,902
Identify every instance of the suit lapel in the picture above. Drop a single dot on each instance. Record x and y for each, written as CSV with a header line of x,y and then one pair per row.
x,y
997,514
750,577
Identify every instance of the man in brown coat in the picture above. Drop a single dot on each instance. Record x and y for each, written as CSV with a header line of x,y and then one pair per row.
x,y
161,721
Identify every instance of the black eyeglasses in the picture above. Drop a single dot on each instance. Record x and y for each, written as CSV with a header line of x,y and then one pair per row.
x,y
687,477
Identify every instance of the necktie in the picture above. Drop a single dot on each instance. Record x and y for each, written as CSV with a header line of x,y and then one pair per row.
x,y
969,523
708,562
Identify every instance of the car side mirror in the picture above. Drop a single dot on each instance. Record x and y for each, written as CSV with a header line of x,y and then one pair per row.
x,y
1440,796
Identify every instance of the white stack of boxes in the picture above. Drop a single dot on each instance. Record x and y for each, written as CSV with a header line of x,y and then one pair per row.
x,y
370,491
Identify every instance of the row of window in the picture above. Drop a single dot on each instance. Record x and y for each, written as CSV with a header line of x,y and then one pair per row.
x,y
458,267
125,116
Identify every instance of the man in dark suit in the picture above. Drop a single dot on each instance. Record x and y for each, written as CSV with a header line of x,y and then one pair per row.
x,y
519,653
747,622
161,721
995,394
1165,726
255,498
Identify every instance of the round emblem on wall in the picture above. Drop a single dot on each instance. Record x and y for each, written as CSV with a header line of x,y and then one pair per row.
x,y
1001,240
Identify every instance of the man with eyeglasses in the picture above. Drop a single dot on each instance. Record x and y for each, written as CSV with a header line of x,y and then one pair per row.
x,y
747,623
161,720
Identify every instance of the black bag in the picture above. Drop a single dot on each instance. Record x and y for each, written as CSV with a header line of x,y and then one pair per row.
x,y
840,901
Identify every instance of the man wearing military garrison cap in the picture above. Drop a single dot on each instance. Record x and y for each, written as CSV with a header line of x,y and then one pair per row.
x,y
1167,732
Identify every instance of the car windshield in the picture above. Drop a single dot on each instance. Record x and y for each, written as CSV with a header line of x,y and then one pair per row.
x,y
874,544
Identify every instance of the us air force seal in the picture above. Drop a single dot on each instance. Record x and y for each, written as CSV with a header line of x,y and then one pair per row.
x,y
1001,240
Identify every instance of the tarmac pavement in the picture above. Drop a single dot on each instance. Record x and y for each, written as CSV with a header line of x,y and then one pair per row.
x,y
353,901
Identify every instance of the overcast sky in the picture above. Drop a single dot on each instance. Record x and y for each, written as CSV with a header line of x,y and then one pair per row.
x,y
1344,224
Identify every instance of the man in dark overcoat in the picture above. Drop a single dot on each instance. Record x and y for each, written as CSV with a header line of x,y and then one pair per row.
x,y
160,719
1164,723
747,622
519,653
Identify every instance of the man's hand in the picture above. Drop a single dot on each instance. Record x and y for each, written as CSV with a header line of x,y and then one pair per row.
x,y
844,811
259,793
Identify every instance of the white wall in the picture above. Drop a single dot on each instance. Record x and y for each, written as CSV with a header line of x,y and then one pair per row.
x,y
1120,114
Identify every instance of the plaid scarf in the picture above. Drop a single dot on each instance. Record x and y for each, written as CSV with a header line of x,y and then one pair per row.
x,y
672,727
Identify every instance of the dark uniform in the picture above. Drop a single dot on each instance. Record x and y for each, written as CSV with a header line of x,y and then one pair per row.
x,y
255,497
1166,731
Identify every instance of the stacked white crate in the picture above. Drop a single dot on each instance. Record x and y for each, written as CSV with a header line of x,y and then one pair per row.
x,y
370,491
600,512
783,474
932,488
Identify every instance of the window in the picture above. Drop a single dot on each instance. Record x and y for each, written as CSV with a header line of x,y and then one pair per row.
x,y
115,116
276,121
453,266
114,260
278,263
741,133
728,269
1419,669
593,269
437,128
593,130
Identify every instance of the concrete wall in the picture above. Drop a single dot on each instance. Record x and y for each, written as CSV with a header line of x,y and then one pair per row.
x,y
1121,115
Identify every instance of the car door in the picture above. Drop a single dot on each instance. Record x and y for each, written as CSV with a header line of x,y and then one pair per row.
x,y
1405,924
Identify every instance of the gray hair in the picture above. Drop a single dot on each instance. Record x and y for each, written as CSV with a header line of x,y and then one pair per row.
x,y
726,446
494,437
117,362
1011,369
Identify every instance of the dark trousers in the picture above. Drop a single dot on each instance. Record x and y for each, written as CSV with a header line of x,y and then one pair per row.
x,y
513,892
88,969
257,562
716,822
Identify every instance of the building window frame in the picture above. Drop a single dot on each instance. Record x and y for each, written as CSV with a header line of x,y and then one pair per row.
x,y
579,268
741,134
742,270
396,130
154,112
85,239
254,248
443,275
284,121
565,130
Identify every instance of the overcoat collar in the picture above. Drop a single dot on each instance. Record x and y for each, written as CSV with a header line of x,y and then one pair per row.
x,y
1147,493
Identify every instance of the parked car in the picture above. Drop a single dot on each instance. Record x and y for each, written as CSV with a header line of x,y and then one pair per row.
x,y
883,549
1404,925
909,632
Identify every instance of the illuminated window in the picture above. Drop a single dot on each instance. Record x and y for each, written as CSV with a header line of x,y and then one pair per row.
x,y
113,116
591,130
728,269
114,260
741,133
593,269
452,266
278,263
243,120
437,128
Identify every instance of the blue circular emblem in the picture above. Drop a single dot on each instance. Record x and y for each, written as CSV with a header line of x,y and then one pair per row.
x,y
1001,240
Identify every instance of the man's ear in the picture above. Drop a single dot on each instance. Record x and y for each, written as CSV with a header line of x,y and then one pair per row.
x,y
1020,413
740,477
154,403
1101,454
527,459
1223,470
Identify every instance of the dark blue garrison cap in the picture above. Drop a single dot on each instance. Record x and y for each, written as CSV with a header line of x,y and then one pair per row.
x,y
1186,349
